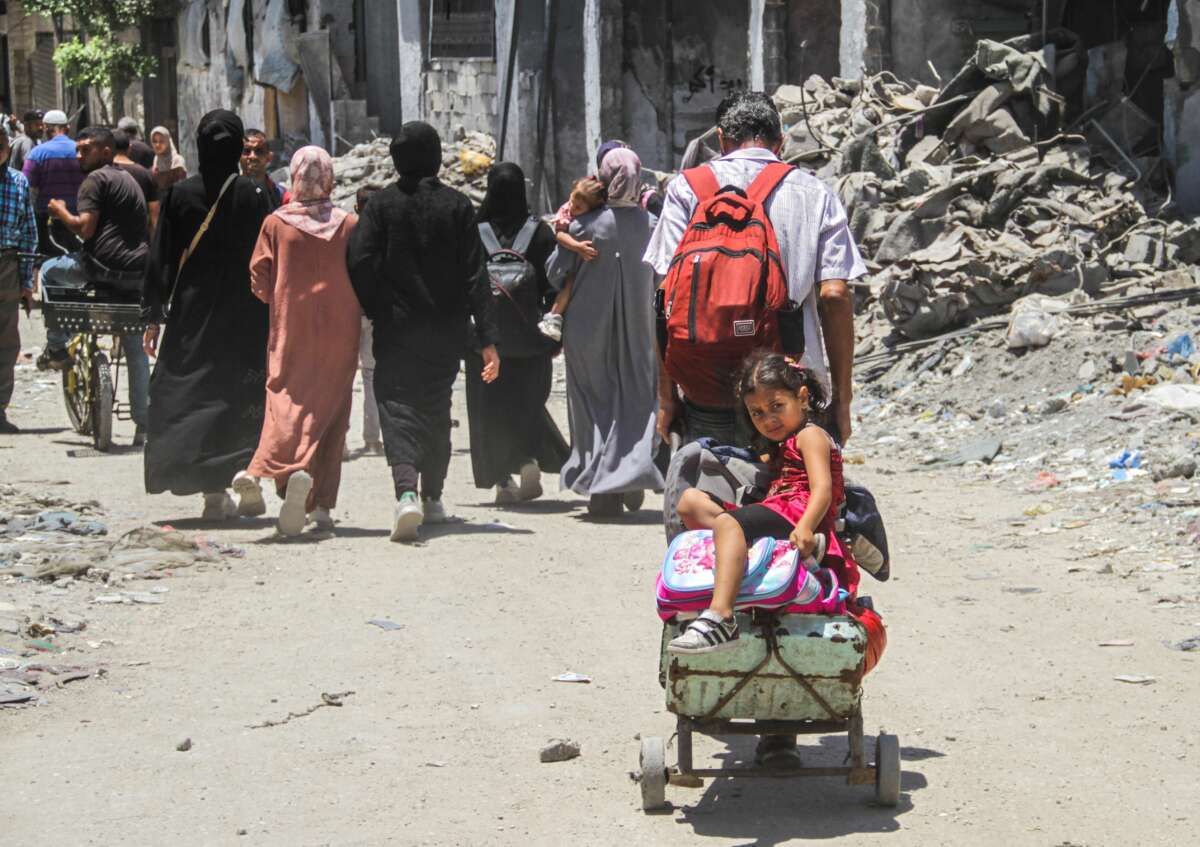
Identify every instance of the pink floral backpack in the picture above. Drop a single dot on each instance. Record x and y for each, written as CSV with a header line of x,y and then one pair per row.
x,y
775,578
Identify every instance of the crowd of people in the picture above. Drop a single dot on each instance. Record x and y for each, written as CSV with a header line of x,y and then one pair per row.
x,y
262,301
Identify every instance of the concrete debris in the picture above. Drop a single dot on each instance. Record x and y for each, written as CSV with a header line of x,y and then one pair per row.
x,y
967,199
560,750
465,165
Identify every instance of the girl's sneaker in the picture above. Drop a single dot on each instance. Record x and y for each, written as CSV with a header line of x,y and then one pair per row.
x,y
706,634
551,326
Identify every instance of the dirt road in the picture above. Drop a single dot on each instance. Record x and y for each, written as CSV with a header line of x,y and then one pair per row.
x,y
1014,731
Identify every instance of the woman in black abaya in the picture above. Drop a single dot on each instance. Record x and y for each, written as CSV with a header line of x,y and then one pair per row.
x,y
420,273
511,431
208,388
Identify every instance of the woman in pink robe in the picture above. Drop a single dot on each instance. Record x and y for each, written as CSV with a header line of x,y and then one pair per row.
x,y
299,270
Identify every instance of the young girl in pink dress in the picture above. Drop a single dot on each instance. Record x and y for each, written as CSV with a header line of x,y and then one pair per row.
x,y
785,403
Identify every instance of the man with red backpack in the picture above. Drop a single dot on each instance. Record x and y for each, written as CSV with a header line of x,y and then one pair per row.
x,y
754,254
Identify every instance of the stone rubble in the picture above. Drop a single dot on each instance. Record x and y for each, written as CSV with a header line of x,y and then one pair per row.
x,y
465,165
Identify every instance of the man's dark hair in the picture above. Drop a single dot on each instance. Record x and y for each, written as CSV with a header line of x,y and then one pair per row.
x,y
254,133
32,115
746,115
120,141
101,136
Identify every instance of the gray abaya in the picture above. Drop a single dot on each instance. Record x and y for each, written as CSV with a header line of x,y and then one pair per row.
x,y
608,344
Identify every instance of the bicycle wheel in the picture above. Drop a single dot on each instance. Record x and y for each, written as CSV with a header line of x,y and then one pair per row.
x,y
76,385
102,403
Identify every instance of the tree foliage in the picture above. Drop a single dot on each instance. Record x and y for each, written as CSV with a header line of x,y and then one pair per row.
x,y
95,55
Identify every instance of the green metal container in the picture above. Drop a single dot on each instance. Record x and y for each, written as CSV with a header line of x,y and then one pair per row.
x,y
809,667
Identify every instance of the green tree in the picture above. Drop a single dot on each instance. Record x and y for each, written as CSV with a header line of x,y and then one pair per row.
x,y
95,56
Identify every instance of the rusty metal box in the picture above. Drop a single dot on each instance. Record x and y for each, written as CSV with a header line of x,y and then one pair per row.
x,y
798,665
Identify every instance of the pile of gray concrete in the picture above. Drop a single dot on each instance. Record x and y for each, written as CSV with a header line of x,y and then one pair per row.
x,y
465,164
969,198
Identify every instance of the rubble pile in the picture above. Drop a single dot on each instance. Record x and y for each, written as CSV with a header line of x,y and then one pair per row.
x,y
56,557
465,164
968,198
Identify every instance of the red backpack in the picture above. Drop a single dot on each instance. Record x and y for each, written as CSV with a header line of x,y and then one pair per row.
x,y
725,285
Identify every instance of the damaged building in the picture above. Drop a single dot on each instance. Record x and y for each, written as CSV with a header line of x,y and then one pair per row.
x,y
550,78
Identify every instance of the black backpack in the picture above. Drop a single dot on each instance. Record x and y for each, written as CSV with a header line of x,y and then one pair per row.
x,y
515,287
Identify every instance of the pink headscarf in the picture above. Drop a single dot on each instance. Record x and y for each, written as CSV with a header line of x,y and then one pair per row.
x,y
621,173
311,210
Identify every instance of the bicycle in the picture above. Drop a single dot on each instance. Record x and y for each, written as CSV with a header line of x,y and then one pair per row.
x,y
89,385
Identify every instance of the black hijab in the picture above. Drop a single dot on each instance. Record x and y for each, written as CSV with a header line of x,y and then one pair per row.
x,y
505,205
417,154
219,139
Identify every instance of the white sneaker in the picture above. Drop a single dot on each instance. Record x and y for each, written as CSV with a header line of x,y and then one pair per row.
x,y
408,518
434,511
531,481
551,326
250,502
507,493
321,519
218,507
295,502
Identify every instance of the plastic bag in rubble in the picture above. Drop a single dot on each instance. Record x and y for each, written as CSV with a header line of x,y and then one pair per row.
x,y
1034,322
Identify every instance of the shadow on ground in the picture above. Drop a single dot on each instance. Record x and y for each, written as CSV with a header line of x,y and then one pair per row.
x,y
773,811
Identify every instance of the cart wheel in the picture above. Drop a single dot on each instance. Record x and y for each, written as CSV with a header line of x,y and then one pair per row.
x,y
102,404
887,770
653,774
75,380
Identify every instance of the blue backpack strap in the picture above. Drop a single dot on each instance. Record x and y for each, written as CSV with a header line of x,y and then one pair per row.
x,y
525,237
490,242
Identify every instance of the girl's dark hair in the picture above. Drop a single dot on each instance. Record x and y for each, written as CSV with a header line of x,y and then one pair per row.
x,y
764,369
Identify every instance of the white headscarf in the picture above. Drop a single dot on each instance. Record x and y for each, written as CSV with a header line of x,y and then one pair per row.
x,y
169,161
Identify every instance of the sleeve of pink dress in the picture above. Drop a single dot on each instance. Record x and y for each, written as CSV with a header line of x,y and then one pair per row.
x,y
262,263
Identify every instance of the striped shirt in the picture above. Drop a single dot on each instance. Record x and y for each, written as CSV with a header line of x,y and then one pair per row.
x,y
53,172
18,231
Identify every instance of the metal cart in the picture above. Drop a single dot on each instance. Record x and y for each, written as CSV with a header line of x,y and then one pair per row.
x,y
788,674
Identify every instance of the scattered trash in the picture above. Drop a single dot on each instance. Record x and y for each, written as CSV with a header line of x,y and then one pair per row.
x,y
1117,642
1187,645
560,750
572,677
184,745
1135,679
384,624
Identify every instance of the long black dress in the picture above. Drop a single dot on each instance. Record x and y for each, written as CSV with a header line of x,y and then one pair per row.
x,y
509,423
209,383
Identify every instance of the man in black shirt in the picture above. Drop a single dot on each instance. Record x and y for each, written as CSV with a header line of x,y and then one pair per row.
x,y
144,178
113,223
139,151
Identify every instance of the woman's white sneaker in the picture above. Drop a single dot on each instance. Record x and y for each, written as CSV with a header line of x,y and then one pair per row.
x,y
250,502
531,481
218,507
294,509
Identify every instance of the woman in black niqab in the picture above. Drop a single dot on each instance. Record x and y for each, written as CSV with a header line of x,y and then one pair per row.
x,y
219,141
208,388
512,434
